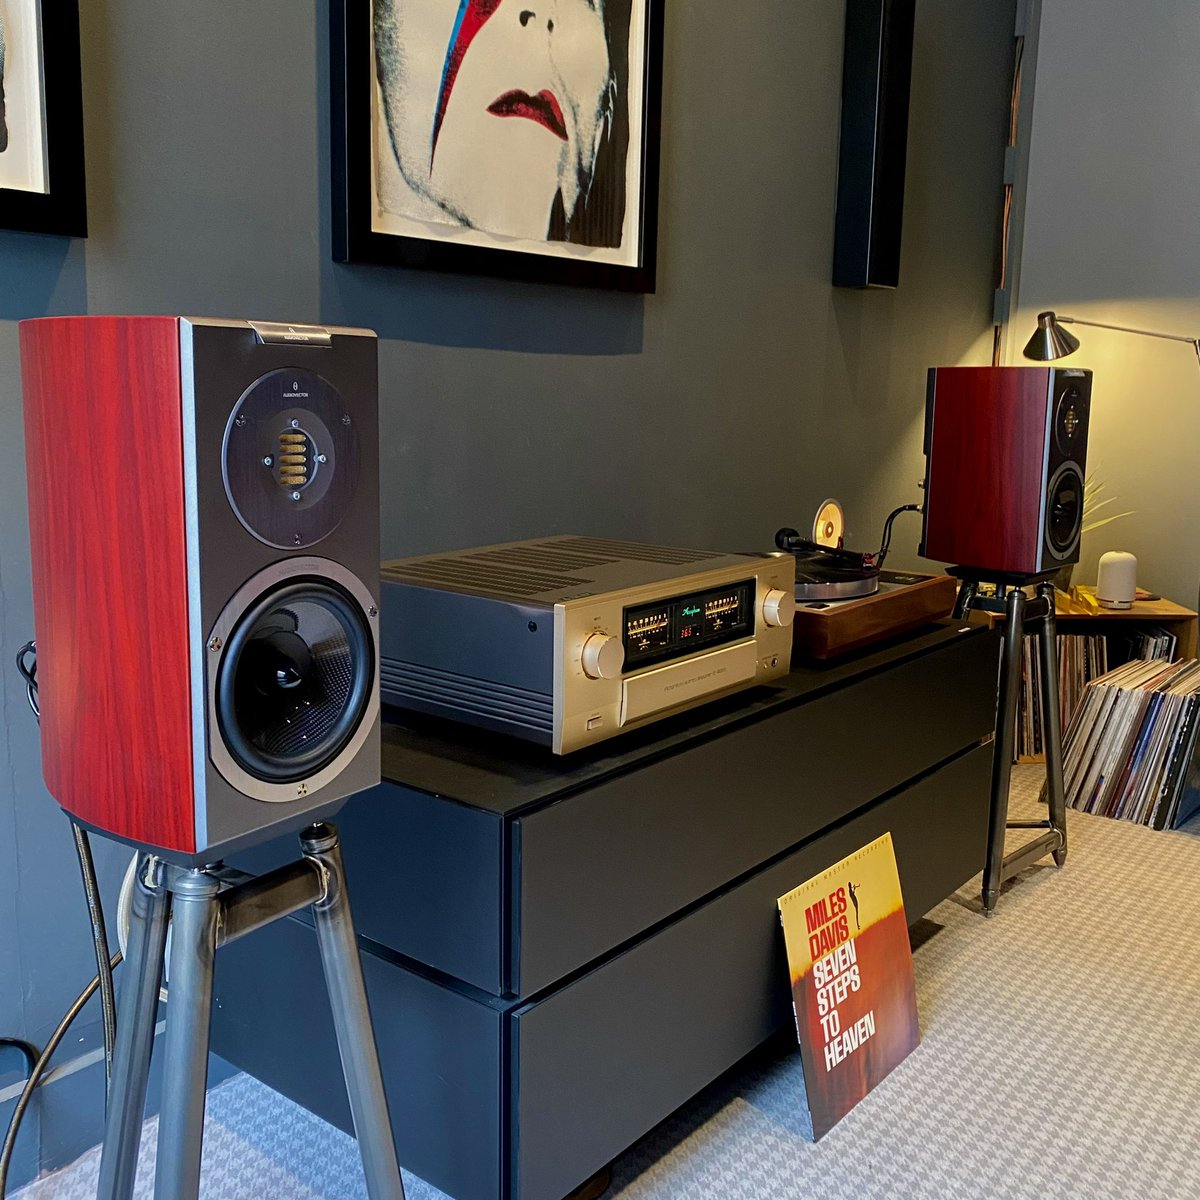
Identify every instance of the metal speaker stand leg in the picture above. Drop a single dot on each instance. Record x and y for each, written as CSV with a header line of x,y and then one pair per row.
x,y
135,1031
209,908
194,920
1036,617
1052,724
352,1018
1002,750
967,593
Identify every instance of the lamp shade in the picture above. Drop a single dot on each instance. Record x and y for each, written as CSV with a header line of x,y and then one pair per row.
x,y
1050,340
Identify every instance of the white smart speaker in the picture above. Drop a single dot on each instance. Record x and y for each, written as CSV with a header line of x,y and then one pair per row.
x,y
1116,579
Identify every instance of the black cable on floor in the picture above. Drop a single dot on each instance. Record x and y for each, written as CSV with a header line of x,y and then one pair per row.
x,y
39,1069
108,996
103,981
27,665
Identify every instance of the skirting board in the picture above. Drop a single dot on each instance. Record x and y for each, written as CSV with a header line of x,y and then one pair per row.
x,y
66,1117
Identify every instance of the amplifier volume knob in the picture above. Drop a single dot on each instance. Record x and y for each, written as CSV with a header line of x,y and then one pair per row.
x,y
603,657
779,607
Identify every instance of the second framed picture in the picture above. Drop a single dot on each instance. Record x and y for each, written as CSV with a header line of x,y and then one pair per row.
x,y
41,119
517,138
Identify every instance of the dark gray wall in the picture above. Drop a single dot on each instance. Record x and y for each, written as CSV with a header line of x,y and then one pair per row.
x,y
729,403
1110,235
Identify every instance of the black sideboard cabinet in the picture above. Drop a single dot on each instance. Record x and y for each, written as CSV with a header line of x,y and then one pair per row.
x,y
560,952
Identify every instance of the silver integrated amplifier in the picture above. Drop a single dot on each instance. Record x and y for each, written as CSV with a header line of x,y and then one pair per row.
x,y
567,640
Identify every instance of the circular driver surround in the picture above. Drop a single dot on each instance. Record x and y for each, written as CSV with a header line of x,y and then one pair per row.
x,y
1064,510
290,458
293,695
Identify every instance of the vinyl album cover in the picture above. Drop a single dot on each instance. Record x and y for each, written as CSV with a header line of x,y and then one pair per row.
x,y
852,979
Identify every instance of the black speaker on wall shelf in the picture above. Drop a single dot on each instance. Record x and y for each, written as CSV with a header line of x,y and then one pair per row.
x,y
876,73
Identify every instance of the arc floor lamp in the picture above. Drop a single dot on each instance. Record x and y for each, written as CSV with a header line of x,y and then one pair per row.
x,y
1050,341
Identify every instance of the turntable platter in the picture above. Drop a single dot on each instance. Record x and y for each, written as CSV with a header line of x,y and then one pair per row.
x,y
819,578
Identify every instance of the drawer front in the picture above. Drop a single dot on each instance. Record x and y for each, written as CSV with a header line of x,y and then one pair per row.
x,y
427,880
606,1058
600,867
425,876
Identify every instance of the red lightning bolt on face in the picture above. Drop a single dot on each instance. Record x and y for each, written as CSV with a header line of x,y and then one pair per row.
x,y
472,16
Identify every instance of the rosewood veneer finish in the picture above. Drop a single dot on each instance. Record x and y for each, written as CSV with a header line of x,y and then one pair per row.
x,y
106,504
992,453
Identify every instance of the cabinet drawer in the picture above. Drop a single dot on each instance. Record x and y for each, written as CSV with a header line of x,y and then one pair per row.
x,y
603,1060
598,868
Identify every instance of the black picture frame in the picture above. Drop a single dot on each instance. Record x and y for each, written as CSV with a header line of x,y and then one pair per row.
x,y
61,210
354,239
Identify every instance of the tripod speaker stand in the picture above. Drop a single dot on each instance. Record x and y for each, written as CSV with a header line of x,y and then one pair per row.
x,y
1024,616
208,907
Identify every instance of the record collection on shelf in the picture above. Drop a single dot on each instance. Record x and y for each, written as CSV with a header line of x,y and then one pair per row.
x,y
1129,748
1082,657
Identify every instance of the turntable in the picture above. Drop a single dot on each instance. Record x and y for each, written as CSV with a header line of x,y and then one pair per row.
x,y
825,569
845,599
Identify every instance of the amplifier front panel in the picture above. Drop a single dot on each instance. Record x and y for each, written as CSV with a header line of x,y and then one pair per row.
x,y
663,688
588,709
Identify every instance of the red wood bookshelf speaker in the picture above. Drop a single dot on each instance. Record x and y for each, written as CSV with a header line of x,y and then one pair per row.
x,y
204,520
1005,452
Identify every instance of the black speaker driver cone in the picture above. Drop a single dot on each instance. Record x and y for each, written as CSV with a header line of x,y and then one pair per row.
x,y
1064,516
295,680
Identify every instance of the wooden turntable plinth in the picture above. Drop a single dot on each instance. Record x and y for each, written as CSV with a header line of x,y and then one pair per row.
x,y
904,602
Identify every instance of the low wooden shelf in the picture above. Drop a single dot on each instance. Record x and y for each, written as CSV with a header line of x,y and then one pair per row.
x,y
1182,622
1156,613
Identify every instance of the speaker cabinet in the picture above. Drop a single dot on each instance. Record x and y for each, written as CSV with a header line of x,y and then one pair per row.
x,y
204,522
1005,455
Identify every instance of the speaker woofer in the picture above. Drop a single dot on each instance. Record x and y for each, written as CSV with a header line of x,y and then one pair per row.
x,y
293,661
1064,510
294,681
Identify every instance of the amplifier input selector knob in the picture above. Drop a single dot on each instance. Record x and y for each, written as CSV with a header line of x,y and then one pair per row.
x,y
779,608
603,657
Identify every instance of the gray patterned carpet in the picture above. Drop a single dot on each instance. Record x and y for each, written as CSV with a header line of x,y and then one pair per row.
x,y
1061,1058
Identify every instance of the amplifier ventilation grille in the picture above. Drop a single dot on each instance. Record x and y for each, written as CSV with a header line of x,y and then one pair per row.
x,y
533,569
637,551
488,577
411,685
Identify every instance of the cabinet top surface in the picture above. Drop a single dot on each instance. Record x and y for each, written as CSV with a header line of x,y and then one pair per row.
x,y
503,775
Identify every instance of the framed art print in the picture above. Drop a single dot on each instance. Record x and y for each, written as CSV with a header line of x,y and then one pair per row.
x,y
517,138
41,119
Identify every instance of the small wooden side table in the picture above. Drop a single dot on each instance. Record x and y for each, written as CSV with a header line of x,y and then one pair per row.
x,y
1182,622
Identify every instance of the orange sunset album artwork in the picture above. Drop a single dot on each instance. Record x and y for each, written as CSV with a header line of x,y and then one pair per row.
x,y
852,979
